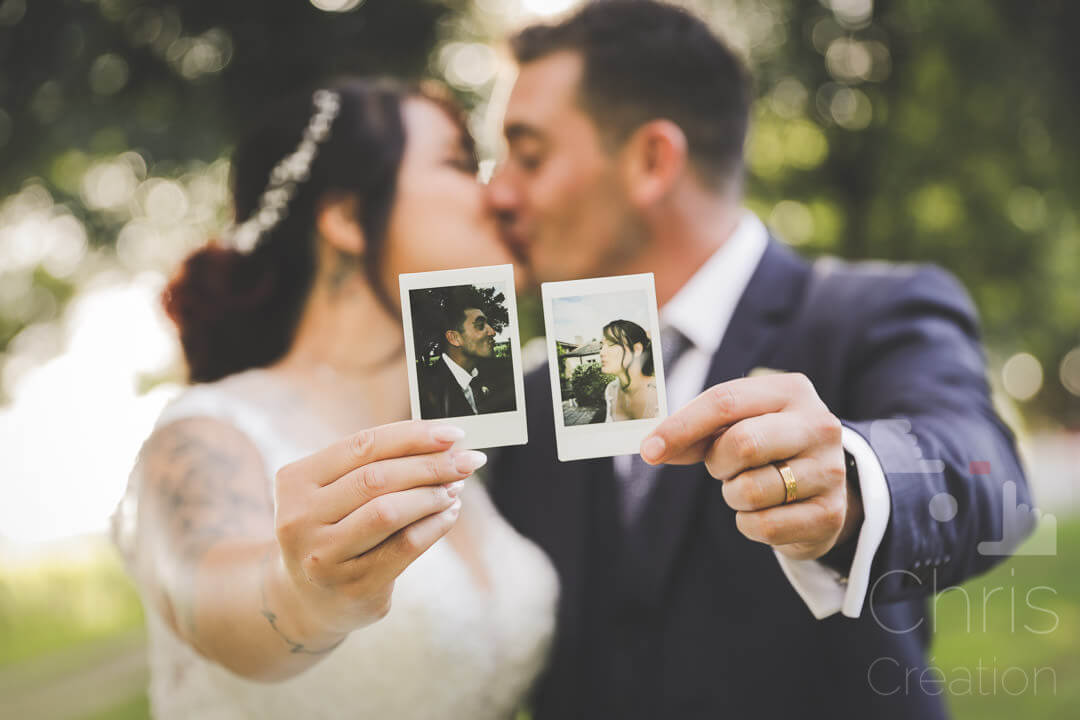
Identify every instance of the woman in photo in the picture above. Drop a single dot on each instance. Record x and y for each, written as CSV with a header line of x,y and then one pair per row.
x,y
626,353
300,550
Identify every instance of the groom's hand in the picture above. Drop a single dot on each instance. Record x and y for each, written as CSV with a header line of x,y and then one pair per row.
x,y
739,429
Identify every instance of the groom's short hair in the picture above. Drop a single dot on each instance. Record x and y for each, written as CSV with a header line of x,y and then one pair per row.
x,y
645,60
458,299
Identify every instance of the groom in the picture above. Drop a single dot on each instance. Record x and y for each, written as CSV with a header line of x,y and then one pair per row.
x,y
771,552
454,386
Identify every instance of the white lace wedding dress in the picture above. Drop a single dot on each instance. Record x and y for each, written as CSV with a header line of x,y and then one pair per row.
x,y
448,648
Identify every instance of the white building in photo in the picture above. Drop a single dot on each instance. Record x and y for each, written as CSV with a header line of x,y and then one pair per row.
x,y
588,353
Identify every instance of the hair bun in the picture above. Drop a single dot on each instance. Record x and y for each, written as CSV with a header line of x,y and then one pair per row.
x,y
225,304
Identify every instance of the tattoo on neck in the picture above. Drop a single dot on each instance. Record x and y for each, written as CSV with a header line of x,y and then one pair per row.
x,y
345,264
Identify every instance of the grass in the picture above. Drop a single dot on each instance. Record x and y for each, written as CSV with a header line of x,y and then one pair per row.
x,y
65,601
1020,622
137,708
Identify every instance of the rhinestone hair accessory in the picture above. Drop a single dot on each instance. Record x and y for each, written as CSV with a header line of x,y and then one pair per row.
x,y
287,174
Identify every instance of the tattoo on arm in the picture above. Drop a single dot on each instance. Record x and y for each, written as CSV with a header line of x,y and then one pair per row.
x,y
271,617
204,483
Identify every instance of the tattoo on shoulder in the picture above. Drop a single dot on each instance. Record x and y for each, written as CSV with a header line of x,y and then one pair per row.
x,y
204,487
201,485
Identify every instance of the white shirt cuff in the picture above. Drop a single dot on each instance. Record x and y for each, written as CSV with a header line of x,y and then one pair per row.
x,y
825,591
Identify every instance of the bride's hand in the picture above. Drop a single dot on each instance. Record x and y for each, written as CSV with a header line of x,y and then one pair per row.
x,y
352,517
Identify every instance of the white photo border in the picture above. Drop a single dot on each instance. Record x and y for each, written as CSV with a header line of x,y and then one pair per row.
x,y
490,429
579,442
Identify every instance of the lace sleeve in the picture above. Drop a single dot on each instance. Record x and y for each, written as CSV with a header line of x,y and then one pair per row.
x,y
610,394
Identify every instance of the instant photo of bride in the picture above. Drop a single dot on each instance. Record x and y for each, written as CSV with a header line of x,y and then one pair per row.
x,y
605,364
605,357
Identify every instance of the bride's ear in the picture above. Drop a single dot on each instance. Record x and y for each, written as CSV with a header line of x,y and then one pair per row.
x,y
337,218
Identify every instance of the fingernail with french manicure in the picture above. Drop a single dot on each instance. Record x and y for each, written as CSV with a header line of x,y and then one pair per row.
x,y
454,489
447,433
469,461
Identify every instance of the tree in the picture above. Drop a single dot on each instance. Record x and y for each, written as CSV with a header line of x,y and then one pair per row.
x,y
115,116
588,384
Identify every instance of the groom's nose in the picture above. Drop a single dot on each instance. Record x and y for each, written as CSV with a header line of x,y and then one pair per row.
x,y
502,197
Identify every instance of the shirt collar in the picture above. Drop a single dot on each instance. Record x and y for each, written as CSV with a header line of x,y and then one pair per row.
x,y
702,308
460,374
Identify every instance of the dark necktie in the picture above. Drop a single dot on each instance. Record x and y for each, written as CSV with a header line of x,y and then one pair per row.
x,y
476,385
635,485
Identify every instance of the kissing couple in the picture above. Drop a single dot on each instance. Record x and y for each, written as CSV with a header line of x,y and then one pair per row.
x,y
303,550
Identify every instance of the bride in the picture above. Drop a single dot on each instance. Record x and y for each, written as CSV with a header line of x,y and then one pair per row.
x,y
626,353
303,551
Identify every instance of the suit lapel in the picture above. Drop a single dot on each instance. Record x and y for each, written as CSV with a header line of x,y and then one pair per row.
x,y
669,514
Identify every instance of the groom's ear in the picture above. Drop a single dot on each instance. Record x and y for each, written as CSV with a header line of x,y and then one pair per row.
x,y
337,218
654,158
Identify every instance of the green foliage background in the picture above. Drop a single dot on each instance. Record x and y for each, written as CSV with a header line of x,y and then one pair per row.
x,y
588,383
922,131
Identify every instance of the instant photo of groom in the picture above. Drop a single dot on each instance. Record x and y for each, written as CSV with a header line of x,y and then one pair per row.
x,y
463,366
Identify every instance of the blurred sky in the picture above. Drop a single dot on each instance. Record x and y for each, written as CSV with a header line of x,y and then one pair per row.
x,y
584,316
75,423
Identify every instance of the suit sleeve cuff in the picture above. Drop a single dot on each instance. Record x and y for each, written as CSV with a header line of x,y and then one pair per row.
x,y
824,590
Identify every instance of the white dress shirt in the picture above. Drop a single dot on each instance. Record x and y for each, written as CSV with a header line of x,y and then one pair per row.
x,y
701,311
463,378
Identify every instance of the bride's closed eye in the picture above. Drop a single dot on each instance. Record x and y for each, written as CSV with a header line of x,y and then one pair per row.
x,y
462,163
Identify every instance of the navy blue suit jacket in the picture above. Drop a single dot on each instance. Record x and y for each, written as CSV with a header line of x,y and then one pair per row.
x,y
683,617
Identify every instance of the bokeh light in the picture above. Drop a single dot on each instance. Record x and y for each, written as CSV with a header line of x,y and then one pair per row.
x,y
853,14
1022,376
936,207
548,7
788,98
1027,209
468,65
337,5
850,108
848,59
793,221
108,74
109,185
1070,371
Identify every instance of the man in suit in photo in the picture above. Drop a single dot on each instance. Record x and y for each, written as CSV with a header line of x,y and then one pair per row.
x,y
454,385
772,550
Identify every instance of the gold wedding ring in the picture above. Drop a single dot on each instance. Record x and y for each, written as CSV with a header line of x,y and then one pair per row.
x,y
791,488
